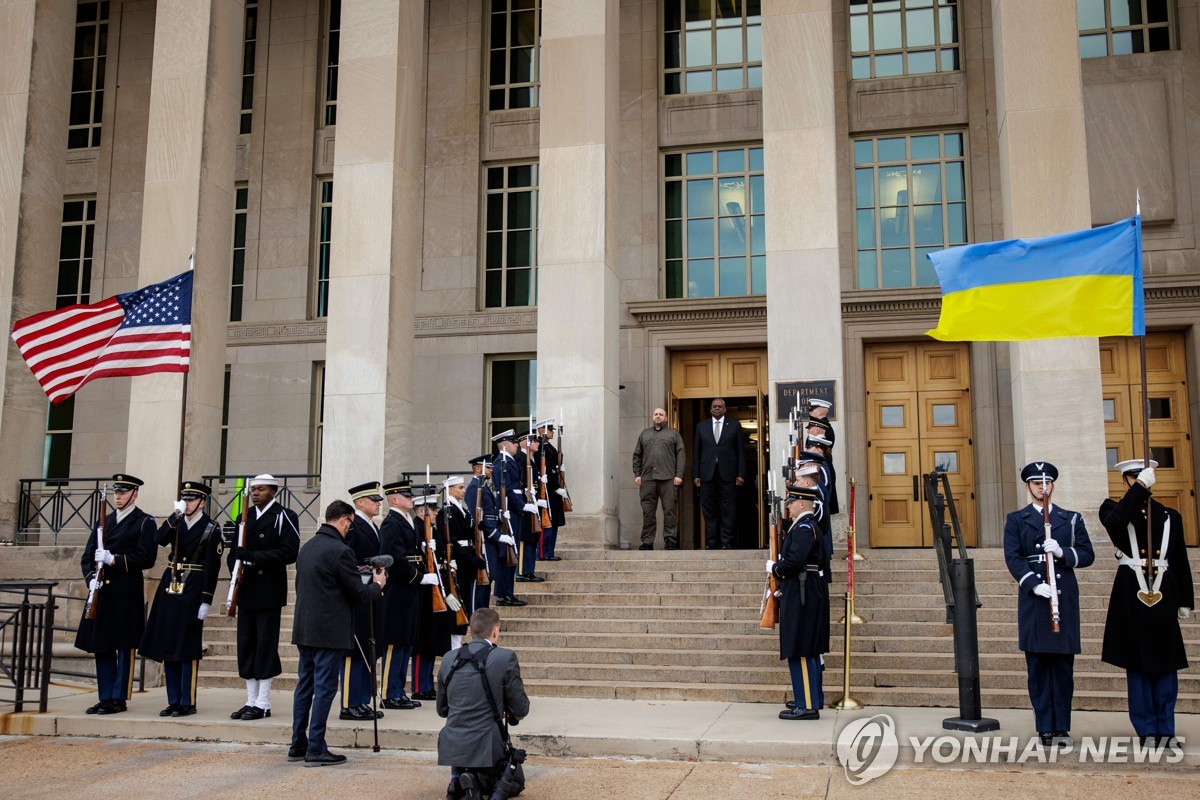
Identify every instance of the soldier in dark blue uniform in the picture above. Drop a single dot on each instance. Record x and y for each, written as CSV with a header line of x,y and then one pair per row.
x,y
455,521
434,627
551,461
818,424
821,447
271,543
120,598
530,539
1049,656
175,631
1152,591
481,492
510,485
357,668
803,604
401,599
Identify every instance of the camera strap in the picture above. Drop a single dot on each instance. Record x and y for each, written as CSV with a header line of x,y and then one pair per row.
x,y
481,666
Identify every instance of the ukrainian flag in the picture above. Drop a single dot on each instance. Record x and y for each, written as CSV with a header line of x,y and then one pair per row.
x,y
1084,283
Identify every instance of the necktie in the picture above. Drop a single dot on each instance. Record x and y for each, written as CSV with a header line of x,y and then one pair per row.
x,y
717,429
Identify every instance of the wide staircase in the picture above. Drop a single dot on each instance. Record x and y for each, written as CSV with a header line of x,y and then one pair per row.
x,y
683,625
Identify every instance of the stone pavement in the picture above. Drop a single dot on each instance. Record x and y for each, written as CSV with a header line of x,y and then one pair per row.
x,y
582,728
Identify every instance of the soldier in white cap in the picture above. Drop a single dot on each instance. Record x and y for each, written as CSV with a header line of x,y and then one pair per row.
x,y
1152,591
272,543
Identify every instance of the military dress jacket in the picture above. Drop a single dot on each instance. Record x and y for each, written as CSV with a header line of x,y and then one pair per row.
x,y
434,627
552,468
480,492
804,602
1023,537
120,613
401,597
509,475
364,539
173,632
1136,636
466,558
271,544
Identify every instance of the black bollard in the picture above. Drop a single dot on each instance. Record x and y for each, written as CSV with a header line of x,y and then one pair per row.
x,y
966,654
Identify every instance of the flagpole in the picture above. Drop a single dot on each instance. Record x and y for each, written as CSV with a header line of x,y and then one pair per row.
x,y
183,405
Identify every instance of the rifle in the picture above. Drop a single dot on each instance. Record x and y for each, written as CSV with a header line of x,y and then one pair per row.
x,y
1050,578
92,605
545,515
235,575
175,586
460,616
481,576
537,517
562,475
431,565
769,616
510,556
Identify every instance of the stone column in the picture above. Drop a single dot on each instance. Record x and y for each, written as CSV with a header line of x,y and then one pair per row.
x,y
36,37
378,192
578,347
800,139
195,91
1044,190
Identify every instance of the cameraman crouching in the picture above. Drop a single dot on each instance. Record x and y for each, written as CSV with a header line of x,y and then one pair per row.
x,y
480,692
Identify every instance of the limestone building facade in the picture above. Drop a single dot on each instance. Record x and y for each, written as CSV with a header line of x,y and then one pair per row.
x,y
416,222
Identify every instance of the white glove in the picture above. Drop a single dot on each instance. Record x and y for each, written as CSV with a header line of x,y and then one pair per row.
x,y
429,579
1043,590
1184,612
529,508
544,478
506,515
453,565
453,604
424,545
542,504
180,507
203,612
770,567
561,492
1052,547
1146,477
508,540
94,584
101,556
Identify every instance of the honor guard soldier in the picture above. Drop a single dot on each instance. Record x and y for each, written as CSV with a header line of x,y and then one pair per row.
x,y
465,561
551,476
818,448
1152,591
175,631
272,542
509,480
818,424
401,599
803,604
483,505
357,668
113,561
530,539
1049,655
434,627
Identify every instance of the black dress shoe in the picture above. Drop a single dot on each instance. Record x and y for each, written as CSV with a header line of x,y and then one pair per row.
x,y
403,703
424,695
470,786
790,703
513,600
113,707
184,711
297,752
96,708
552,558
800,713
531,578
169,711
1047,739
646,547
672,545
453,790
238,714
325,759
254,712
356,714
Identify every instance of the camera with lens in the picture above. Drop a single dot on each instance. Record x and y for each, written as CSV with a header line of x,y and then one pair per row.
x,y
511,781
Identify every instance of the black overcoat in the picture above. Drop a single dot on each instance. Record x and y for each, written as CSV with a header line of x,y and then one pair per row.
x,y
401,597
363,538
173,633
803,628
272,541
121,613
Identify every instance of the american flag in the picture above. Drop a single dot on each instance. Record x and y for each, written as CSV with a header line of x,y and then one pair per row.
x,y
136,333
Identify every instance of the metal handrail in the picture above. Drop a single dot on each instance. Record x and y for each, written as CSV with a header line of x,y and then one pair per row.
x,y
947,536
299,491
58,512
74,629
26,656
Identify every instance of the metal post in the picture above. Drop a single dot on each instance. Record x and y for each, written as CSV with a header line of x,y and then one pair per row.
x,y
966,654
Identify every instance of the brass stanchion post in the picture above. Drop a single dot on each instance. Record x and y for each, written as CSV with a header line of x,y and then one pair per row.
x,y
849,619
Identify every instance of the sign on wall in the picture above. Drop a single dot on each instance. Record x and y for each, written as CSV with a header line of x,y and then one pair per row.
x,y
793,395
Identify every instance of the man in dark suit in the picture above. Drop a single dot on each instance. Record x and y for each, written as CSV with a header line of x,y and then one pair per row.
x,y
1049,656
474,736
328,588
719,467
113,562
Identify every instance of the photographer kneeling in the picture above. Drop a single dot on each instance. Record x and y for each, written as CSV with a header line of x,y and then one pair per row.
x,y
480,693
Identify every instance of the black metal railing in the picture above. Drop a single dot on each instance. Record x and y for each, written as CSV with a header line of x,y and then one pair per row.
x,y
947,534
26,642
58,512
74,607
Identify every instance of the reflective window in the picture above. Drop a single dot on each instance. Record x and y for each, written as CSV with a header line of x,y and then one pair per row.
x,y
76,239
910,197
946,461
1110,409
87,74
237,277
316,447
1165,456
224,458
714,223
324,244
510,217
515,27
1123,27
333,37
944,414
1110,456
903,37
894,464
1160,408
512,394
249,44
711,45
891,416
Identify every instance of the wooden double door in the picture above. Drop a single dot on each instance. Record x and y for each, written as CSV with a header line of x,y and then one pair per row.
x,y
1170,434
918,420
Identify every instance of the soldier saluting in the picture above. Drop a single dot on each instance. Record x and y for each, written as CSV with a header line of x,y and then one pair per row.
x,y
175,631
120,614
1152,591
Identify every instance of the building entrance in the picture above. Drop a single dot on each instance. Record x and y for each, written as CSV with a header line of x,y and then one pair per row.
x,y
918,420
740,377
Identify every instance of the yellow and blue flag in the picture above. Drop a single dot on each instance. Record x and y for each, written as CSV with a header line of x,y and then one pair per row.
x,y
1084,283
